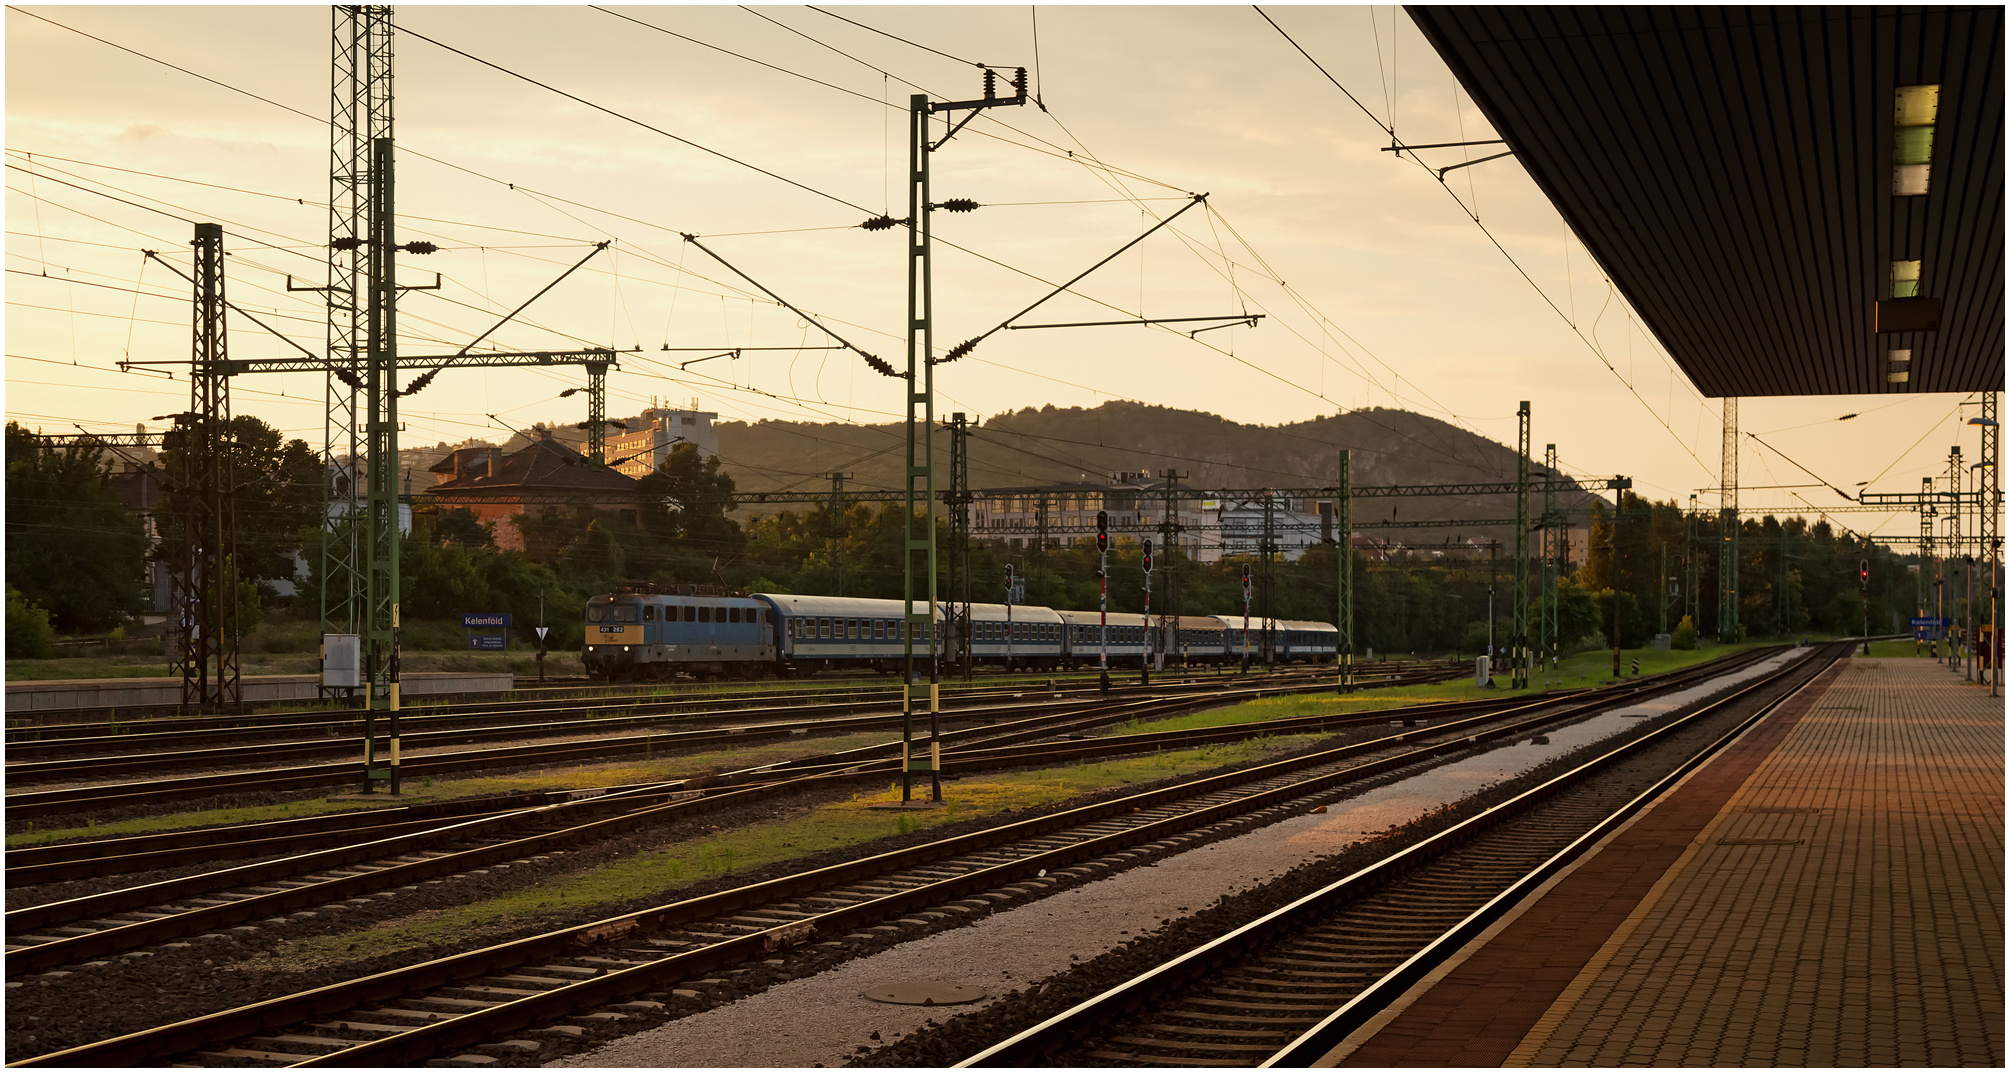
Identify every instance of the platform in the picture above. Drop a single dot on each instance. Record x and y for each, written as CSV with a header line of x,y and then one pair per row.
x,y
1828,891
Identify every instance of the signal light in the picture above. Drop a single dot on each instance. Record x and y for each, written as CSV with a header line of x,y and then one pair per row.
x,y
1148,556
1102,530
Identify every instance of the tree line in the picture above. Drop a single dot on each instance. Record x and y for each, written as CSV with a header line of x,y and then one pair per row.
x,y
76,557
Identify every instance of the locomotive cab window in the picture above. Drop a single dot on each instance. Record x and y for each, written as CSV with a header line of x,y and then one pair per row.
x,y
649,613
596,613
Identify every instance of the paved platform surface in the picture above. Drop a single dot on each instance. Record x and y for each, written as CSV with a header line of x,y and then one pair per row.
x,y
1827,892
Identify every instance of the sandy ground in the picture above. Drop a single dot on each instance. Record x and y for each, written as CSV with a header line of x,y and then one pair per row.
x,y
825,1019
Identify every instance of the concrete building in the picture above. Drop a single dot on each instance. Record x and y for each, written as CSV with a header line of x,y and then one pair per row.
x,y
638,451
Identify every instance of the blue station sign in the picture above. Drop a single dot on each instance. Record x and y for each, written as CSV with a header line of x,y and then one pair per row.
x,y
486,641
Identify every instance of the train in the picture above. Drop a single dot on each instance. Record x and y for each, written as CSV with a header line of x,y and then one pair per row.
x,y
633,636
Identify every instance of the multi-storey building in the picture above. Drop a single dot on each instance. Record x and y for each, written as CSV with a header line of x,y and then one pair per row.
x,y
648,439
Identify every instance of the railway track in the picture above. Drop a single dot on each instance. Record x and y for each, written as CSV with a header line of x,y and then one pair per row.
x,y
1285,989
438,1007
590,744
127,724
388,852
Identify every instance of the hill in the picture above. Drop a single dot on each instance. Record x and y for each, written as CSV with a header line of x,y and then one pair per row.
x,y
1053,444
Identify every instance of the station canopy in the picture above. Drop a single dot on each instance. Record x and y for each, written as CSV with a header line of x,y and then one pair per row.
x,y
1768,187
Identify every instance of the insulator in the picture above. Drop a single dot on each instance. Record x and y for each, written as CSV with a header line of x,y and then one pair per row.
x,y
1019,81
882,368
879,223
419,247
348,379
958,204
346,243
419,385
990,83
960,350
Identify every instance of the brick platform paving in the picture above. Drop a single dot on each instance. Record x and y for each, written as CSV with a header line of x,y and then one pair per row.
x,y
1827,892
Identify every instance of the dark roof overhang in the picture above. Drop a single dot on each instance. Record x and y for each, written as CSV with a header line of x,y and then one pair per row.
x,y
1732,171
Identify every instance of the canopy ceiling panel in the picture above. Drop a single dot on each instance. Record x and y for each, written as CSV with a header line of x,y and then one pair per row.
x,y
1733,171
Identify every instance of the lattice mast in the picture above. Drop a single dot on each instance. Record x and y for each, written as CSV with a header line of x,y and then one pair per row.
x,y
359,115
204,583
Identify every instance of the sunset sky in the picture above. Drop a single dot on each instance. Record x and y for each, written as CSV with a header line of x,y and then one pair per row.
x,y
1377,286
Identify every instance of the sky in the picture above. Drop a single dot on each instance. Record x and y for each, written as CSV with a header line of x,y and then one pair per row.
x,y
527,135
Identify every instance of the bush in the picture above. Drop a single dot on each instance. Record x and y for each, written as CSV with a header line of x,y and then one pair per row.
x,y
29,634
1684,637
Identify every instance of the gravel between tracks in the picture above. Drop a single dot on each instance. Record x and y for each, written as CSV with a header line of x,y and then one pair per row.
x,y
1038,959
51,1011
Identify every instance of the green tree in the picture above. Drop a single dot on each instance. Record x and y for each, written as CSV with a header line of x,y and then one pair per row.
x,y
72,546
29,634
274,492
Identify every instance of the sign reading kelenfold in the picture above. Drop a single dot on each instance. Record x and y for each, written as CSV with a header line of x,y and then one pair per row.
x,y
489,620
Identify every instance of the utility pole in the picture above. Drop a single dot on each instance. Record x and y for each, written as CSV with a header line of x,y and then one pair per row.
x,y
1172,547
1103,597
1691,599
1553,540
834,525
359,115
1727,519
204,579
1343,540
1245,619
1520,638
1151,635
1954,483
1612,541
919,547
957,502
1040,528
1665,579
1266,559
1991,542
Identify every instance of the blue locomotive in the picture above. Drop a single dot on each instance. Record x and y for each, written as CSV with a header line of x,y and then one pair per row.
x,y
641,636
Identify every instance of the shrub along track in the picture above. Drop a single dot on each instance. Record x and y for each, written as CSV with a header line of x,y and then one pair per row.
x,y
459,1001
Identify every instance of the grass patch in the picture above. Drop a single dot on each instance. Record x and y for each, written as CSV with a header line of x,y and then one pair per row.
x,y
1905,649
661,873
419,790
1583,669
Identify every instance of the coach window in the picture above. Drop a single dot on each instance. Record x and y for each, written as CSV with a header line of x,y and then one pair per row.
x,y
704,614
649,612
733,614
823,628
